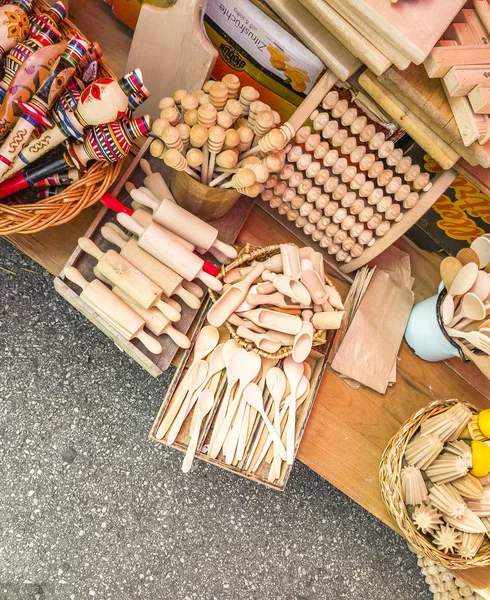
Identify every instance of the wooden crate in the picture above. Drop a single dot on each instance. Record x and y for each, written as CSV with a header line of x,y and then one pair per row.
x,y
317,361
228,227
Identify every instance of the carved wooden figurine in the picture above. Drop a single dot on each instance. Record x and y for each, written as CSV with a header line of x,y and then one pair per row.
x,y
14,24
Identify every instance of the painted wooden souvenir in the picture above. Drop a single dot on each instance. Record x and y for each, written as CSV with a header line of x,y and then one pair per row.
x,y
14,24
36,109
49,20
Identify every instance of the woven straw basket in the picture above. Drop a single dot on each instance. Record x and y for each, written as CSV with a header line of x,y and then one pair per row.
x,y
245,258
60,209
391,490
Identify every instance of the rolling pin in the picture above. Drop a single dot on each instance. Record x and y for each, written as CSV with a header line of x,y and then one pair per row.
x,y
183,223
118,314
155,321
155,241
163,276
155,182
128,278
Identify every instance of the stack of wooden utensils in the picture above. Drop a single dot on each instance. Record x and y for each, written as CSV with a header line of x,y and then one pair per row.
x,y
159,262
345,184
445,480
466,305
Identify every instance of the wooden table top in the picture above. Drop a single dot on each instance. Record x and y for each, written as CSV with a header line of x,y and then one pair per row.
x,y
348,429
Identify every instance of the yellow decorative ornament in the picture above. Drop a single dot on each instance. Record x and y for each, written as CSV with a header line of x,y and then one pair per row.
x,y
484,422
480,454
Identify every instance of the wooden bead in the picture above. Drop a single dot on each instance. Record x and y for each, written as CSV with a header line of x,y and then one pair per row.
x,y
280,188
348,244
331,209
314,114
333,249
340,166
375,197
322,177
286,172
395,157
330,100
365,237
246,138
385,177
206,115
317,235
166,102
271,182
422,182
330,158
314,194
227,159
315,215
383,228
342,256
376,169
377,141
321,150
367,162
340,236
195,158
339,192
292,215
411,201
358,181
305,186
356,250
330,130
189,102
349,117
191,118
349,174
331,184
412,173
367,133
294,154
232,84
357,207
349,145
306,209
393,212
275,201
325,242
297,202
384,204
348,200
358,125
304,162
374,221
302,134
339,138
357,230
198,136
332,229
366,189
312,142
289,194
323,223
283,209
394,185
348,223
295,179
301,222
339,109
386,149
403,166
320,121
358,154
340,215
266,194
365,215
322,201
309,228
402,193
313,169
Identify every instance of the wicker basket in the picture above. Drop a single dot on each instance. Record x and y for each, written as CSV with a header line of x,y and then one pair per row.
x,y
31,218
391,490
244,259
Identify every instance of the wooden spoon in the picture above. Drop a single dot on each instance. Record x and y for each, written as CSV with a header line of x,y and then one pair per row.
x,y
481,287
288,286
463,280
197,377
304,339
449,268
276,384
482,247
206,341
467,255
315,286
253,396
204,405
294,372
471,308
447,309
263,341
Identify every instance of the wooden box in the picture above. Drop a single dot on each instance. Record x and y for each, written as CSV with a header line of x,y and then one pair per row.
x,y
228,227
317,361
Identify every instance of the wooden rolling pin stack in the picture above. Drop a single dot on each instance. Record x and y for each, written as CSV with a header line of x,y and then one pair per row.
x,y
345,184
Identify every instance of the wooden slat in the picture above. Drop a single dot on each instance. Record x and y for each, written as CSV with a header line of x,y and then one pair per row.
x,y
479,98
461,80
441,59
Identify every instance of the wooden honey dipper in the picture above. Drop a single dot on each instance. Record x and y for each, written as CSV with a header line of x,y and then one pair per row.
x,y
218,94
189,102
178,95
245,177
157,148
255,107
232,140
191,118
171,138
185,133
234,109
232,83
263,124
171,114
216,139
224,119
175,160
248,94
194,158
275,161
206,115
120,272
113,310
246,139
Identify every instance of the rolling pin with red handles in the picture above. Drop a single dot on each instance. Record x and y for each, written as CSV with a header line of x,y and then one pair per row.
x,y
112,309
160,245
170,282
183,223
132,281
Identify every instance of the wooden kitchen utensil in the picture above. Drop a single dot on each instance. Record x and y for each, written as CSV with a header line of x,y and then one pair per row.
x,y
269,319
163,276
294,372
304,339
129,279
314,284
289,286
449,268
253,395
233,297
161,246
203,406
481,287
467,255
464,279
185,224
471,308
482,247
477,339
105,303
155,182
263,341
